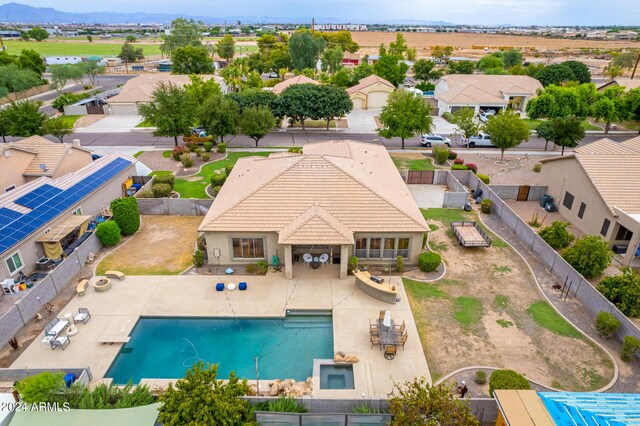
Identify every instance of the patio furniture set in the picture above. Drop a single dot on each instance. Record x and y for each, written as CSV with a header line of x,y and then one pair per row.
x,y
242,286
387,335
52,331
315,261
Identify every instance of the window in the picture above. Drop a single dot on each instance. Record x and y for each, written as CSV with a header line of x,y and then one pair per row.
x,y
14,263
623,234
374,247
568,200
78,211
389,248
403,247
361,247
583,206
248,248
605,227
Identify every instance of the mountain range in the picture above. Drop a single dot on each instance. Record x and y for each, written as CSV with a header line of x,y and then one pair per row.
x,y
24,14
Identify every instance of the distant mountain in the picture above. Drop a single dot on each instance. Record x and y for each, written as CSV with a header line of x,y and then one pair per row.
x,y
20,13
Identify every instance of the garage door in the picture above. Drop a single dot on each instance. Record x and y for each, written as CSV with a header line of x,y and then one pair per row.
x,y
357,103
123,109
377,99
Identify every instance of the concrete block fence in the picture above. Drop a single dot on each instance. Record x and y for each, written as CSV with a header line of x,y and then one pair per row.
x,y
174,206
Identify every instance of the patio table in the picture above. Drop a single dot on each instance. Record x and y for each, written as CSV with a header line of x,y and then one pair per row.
x,y
58,327
388,335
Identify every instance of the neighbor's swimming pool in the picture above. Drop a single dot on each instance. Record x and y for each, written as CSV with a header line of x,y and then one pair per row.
x,y
167,347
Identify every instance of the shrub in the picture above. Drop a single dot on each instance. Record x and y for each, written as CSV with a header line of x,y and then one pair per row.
x,y
199,152
168,179
630,346
537,167
145,194
295,150
459,167
507,379
262,267
452,155
484,178
104,396
222,148
126,214
472,167
441,154
186,160
177,152
216,189
400,263
251,268
67,99
556,234
353,263
623,290
606,324
480,377
218,179
208,146
191,146
448,116
589,255
428,261
284,404
458,161
206,156
38,388
108,233
228,169
198,258
161,190
485,206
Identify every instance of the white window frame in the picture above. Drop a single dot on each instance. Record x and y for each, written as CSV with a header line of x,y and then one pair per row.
x,y
78,211
264,248
6,262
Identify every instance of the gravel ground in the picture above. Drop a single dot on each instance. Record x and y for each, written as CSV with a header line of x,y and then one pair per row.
x,y
517,170
155,161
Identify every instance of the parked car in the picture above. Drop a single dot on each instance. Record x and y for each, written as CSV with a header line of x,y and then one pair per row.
x,y
481,139
486,116
432,139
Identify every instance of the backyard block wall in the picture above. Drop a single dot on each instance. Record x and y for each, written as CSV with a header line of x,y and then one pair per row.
x,y
458,195
510,192
174,206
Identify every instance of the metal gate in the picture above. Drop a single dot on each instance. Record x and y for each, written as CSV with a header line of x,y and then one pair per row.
x,y
420,177
98,109
523,193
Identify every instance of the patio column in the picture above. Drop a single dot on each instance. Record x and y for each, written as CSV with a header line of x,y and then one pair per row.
x,y
344,261
631,250
288,262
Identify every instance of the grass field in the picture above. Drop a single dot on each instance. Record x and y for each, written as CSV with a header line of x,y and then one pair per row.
x,y
412,164
71,119
545,316
533,124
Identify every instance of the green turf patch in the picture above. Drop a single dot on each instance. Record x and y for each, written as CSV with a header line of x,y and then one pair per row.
x,y
446,216
69,119
534,124
501,269
161,173
420,290
545,316
501,301
438,246
504,323
145,123
413,164
468,311
166,154
433,227
138,154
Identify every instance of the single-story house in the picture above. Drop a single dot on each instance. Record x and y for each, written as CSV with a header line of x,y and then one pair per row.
x,y
28,159
370,92
627,83
351,59
36,218
484,92
340,198
595,188
139,90
62,60
299,79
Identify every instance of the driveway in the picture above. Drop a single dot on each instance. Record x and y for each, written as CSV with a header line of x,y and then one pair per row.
x,y
428,196
361,120
113,124
442,126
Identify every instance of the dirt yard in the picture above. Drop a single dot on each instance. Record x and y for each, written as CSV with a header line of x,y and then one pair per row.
x,y
488,311
517,170
147,253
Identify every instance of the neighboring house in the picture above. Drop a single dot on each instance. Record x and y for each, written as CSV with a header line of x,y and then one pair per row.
x,y
351,59
623,35
370,92
139,90
596,188
30,213
61,60
627,83
299,79
33,157
343,198
484,92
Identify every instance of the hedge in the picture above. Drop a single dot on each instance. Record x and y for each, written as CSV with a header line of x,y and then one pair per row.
x,y
428,261
108,233
485,206
218,179
441,154
208,146
507,379
607,324
126,214
484,178
177,152
222,148
186,160
630,346
459,167
198,258
161,190
169,179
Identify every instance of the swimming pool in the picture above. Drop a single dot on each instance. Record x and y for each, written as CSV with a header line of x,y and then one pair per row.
x,y
164,348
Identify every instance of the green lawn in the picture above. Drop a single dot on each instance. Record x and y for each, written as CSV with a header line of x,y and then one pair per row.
x,y
421,290
161,173
138,154
166,154
196,188
145,123
545,316
413,164
468,311
71,119
446,216
533,124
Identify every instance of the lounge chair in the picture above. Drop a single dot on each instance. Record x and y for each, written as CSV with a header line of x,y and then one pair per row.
x,y
62,342
375,340
402,340
83,315
390,352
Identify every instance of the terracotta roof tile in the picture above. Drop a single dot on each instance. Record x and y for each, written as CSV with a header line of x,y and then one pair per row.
x,y
300,79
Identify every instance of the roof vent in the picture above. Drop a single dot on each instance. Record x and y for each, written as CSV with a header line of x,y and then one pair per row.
x,y
43,167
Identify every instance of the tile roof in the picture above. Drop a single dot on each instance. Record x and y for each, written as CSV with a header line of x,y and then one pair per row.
x,y
48,153
316,196
479,88
592,409
140,88
299,79
368,81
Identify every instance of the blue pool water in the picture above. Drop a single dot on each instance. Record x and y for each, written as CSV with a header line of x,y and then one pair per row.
x,y
167,347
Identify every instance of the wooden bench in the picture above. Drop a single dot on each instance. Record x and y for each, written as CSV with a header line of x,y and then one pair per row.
x,y
113,339
82,286
114,274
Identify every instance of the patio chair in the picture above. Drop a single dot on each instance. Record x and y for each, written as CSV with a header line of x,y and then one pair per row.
x,y
375,340
62,342
401,328
48,327
373,328
83,315
324,259
390,352
402,340
381,315
307,259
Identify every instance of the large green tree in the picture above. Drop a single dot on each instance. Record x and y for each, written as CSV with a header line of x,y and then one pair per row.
x,y
191,60
226,47
580,71
399,46
200,90
219,116
589,255
424,70
464,119
5,125
58,128
405,115
461,67
332,60
490,61
298,102
391,68
305,49
256,123
62,74
545,131
25,118
512,58
507,130
332,102
233,75
129,53
567,131
610,106
31,60
170,111
184,32
632,99
341,40
38,34
92,70
561,101
555,74
254,98
16,79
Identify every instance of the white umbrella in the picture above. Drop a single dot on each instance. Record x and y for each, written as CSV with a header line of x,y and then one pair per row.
x,y
387,319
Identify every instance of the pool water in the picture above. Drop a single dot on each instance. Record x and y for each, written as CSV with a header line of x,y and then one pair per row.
x,y
336,377
166,347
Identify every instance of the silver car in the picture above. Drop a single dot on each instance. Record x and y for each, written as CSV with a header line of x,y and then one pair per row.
x,y
481,139
431,139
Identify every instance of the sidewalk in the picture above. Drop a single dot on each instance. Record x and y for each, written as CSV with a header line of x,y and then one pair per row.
x,y
113,124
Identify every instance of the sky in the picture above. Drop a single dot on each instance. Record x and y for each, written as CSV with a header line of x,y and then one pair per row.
x,y
516,12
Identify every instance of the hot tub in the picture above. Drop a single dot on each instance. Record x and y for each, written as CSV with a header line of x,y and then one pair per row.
x,y
336,376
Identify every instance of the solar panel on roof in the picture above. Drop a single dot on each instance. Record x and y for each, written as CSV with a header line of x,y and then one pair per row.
x,y
38,196
7,216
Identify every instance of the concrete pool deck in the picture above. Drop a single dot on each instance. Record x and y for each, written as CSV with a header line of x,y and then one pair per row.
x,y
116,312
